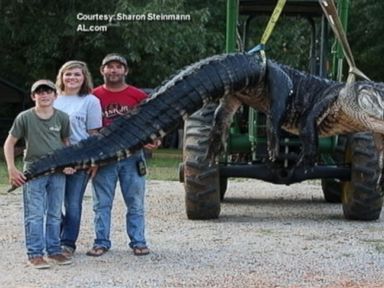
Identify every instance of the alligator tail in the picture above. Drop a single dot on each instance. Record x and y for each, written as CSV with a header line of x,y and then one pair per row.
x,y
185,93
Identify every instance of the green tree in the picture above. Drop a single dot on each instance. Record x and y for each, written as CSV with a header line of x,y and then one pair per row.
x,y
39,36
365,34
156,49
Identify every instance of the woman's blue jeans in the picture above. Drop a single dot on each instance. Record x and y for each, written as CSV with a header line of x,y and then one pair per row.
x,y
73,205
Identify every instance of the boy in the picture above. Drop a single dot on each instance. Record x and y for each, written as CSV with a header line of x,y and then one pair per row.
x,y
44,129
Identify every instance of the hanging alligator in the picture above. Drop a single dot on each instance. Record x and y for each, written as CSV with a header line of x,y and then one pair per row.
x,y
295,101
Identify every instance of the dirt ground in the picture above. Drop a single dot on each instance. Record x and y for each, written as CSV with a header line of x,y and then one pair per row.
x,y
266,236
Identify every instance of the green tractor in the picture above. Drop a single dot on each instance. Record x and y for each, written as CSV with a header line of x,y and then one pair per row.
x,y
347,165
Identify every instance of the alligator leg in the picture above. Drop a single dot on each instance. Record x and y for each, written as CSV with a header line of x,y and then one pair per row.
x,y
309,141
379,143
279,87
308,131
222,121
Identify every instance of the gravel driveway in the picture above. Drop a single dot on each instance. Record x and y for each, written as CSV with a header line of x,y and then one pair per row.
x,y
266,236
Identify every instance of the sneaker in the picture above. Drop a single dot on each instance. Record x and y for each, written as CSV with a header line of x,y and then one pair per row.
x,y
38,263
59,259
67,251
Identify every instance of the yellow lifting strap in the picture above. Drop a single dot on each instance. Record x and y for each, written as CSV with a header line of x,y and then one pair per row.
x,y
272,21
330,11
271,25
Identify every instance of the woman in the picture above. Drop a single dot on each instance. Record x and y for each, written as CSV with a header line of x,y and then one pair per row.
x,y
74,86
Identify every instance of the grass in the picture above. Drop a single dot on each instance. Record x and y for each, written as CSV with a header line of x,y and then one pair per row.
x,y
162,165
377,243
3,169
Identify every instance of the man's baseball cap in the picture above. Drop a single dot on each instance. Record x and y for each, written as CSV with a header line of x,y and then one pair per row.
x,y
43,82
114,57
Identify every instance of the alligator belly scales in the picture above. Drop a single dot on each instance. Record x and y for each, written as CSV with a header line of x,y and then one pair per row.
x,y
292,100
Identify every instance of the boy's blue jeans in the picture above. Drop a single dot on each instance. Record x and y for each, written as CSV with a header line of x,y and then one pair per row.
x,y
133,189
43,200
73,202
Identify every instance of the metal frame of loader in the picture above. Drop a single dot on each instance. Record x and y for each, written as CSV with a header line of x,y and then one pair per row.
x,y
347,164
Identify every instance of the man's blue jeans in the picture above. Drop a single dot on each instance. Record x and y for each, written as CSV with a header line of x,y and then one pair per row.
x,y
43,198
133,189
73,202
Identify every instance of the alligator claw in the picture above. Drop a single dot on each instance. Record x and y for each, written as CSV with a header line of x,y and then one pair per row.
x,y
273,147
216,145
306,161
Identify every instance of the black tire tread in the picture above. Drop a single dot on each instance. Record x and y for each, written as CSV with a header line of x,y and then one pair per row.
x,y
202,187
362,197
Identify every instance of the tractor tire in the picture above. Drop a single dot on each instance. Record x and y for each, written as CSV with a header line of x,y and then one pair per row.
x,y
223,187
201,180
362,197
332,188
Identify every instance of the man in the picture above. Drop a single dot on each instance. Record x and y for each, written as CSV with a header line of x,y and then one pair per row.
x,y
117,98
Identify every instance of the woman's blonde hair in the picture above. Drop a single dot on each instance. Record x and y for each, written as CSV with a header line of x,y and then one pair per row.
x,y
87,86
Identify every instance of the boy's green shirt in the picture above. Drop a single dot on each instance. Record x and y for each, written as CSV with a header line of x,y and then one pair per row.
x,y
41,136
